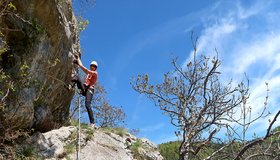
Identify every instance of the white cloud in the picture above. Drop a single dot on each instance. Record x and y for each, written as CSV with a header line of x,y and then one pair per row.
x,y
246,45
262,51
256,8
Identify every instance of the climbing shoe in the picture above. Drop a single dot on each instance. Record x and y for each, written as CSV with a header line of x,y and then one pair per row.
x,y
92,125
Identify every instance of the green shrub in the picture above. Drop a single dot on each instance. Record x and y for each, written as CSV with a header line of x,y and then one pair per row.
x,y
170,150
74,122
135,150
26,152
89,131
70,148
89,134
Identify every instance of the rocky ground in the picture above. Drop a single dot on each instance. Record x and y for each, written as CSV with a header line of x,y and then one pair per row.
x,y
96,144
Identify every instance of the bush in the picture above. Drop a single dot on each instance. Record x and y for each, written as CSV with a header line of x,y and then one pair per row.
x,y
90,133
135,150
70,148
27,152
170,150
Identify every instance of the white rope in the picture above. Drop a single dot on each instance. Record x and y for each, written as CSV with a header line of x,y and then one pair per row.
x,y
79,129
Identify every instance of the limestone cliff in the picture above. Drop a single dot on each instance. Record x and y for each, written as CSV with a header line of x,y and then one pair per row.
x,y
96,144
41,35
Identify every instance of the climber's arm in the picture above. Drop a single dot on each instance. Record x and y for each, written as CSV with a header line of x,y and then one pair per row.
x,y
87,71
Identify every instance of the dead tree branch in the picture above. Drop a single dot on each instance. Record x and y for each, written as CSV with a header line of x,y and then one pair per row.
x,y
259,140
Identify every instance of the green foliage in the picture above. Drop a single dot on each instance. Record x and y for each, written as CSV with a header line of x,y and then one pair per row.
x,y
24,70
11,6
89,131
16,81
73,136
53,63
276,129
170,150
82,24
135,147
38,28
4,81
70,148
89,134
23,78
120,131
3,45
27,152
74,122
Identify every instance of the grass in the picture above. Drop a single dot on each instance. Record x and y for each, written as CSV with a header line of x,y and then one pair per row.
x,y
119,131
27,153
135,150
74,122
70,148
90,133
87,129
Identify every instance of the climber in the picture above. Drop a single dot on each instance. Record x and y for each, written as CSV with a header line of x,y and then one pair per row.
x,y
87,88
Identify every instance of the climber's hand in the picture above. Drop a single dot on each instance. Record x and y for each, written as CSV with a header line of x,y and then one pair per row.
x,y
75,61
79,62
76,56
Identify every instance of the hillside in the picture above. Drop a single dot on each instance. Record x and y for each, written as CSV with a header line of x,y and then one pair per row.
x,y
266,150
96,144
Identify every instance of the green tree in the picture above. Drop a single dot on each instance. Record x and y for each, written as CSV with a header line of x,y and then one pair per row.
x,y
170,150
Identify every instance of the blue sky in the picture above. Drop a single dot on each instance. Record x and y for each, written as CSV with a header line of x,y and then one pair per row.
x,y
131,37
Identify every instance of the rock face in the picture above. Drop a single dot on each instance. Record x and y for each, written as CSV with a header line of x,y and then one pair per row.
x,y
41,34
50,144
102,145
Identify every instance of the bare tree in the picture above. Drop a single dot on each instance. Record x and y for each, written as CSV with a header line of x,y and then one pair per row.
x,y
195,100
109,116
199,105
267,151
106,114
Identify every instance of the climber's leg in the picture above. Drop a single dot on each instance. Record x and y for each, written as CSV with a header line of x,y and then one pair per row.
x,y
89,94
76,80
